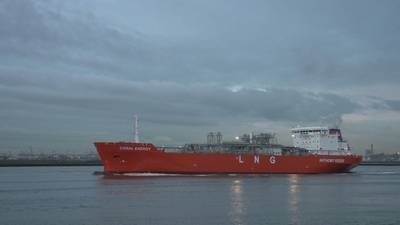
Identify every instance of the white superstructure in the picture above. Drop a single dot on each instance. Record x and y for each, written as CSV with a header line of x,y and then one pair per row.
x,y
321,140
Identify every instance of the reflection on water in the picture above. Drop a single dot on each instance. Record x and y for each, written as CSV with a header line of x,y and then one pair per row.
x,y
293,198
238,210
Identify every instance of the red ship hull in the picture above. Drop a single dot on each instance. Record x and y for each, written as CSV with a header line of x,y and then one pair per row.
x,y
146,158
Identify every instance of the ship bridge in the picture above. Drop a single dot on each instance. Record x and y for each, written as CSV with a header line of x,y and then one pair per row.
x,y
319,139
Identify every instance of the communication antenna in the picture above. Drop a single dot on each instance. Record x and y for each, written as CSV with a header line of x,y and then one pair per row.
x,y
136,128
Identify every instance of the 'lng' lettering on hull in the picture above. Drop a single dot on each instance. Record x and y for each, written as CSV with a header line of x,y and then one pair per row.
x,y
271,159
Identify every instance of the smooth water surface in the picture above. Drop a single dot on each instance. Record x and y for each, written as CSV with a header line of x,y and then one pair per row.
x,y
74,196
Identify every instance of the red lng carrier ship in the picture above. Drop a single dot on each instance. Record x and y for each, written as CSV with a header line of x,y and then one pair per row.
x,y
316,150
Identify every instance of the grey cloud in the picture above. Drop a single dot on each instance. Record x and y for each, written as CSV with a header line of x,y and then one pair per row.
x,y
303,51
166,99
31,35
81,72
393,104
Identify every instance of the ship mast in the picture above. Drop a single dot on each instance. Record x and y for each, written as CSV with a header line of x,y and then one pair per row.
x,y
136,128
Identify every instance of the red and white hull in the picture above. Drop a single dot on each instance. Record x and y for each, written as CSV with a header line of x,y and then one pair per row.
x,y
146,158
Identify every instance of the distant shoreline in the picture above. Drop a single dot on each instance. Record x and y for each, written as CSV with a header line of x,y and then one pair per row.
x,y
32,163
29,163
375,163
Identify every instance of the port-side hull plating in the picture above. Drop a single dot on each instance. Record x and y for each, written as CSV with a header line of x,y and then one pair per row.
x,y
146,158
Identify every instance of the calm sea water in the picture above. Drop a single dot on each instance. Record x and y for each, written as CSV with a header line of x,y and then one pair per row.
x,y
73,196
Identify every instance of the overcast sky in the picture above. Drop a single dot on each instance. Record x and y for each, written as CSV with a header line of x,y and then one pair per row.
x,y
75,72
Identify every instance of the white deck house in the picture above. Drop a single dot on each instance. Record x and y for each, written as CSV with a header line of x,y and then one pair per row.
x,y
322,140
